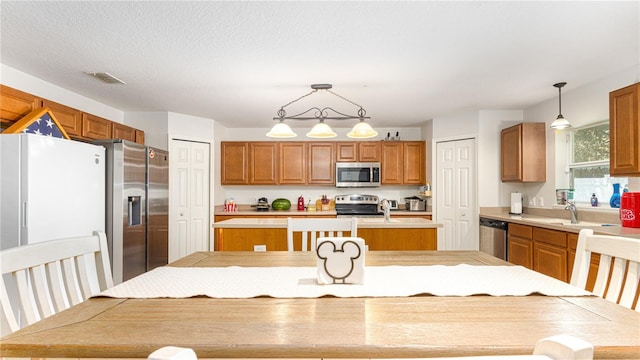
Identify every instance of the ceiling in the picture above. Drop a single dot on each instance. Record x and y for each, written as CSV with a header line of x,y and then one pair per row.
x,y
238,62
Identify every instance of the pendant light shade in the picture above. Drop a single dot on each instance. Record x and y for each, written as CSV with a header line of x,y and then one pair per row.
x,y
321,131
281,130
560,122
362,130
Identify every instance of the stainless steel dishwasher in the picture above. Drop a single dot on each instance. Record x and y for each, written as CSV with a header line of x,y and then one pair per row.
x,y
493,238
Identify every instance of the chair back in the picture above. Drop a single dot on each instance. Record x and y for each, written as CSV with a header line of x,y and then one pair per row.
x,y
312,229
41,279
618,270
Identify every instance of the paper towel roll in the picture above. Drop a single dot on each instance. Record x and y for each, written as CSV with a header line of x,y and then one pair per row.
x,y
516,203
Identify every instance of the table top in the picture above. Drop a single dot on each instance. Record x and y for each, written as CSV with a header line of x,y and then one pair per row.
x,y
393,327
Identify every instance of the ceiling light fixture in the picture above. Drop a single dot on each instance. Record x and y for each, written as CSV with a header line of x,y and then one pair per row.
x,y
106,77
560,122
321,130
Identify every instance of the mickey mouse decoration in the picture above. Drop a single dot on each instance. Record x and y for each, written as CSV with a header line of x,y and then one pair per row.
x,y
340,260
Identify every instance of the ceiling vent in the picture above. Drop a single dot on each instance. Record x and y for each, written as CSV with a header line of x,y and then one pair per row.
x,y
106,77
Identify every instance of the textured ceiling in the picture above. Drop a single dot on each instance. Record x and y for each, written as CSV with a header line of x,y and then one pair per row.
x,y
238,62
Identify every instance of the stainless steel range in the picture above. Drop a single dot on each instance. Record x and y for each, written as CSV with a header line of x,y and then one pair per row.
x,y
358,205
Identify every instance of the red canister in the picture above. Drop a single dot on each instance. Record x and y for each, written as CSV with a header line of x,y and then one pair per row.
x,y
630,209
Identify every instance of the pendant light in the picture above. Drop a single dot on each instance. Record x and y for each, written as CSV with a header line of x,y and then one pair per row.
x,y
560,122
322,130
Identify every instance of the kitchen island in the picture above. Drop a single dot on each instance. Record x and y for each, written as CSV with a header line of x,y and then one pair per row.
x,y
270,233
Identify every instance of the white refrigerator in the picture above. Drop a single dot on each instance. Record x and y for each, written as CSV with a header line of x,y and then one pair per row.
x,y
50,188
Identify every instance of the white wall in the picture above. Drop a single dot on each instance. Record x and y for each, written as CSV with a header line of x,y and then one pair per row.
x,y
581,106
154,124
32,85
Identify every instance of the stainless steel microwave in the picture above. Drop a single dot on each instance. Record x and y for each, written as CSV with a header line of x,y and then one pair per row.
x,y
357,174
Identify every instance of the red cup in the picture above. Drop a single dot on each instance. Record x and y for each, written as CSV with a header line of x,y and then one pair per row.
x,y
630,209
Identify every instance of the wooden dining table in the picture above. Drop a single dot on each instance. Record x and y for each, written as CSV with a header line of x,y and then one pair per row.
x,y
328,327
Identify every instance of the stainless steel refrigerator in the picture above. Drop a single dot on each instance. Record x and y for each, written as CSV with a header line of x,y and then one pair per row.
x,y
137,207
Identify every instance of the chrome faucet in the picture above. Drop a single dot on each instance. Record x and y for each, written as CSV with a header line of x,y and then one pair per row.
x,y
386,207
574,212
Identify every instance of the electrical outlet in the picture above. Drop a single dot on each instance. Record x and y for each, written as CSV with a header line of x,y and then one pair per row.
x,y
532,201
540,201
259,247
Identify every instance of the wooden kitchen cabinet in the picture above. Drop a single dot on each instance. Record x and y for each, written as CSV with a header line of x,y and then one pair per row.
x,y
124,132
391,164
403,162
524,152
233,162
414,163
354,151
69,118
624,130
95,127
263,163
550,255
14,104
293,166
321,166
520,239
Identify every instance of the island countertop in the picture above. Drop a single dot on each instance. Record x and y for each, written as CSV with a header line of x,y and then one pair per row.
x,y
366,223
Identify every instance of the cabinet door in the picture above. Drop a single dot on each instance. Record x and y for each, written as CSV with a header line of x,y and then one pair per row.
x,y
69,118
624,125
14,104
321,165
369,151
263,158
124,132
550,260
140,137
292,158
233,161
414,171
392,163
346,151
511,144
94,127
520,251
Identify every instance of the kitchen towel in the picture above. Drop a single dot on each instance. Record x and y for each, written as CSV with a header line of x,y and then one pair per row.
x,y
380,281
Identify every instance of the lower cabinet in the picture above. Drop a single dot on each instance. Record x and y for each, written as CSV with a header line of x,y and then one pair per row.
x,y
520,239
274,239
550,252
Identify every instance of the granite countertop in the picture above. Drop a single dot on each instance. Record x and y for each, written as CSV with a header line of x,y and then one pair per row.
x,y
271,222
244,210
601,224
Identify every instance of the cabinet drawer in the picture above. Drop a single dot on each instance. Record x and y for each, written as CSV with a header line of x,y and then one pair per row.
x,y
553,237
523,231
572,239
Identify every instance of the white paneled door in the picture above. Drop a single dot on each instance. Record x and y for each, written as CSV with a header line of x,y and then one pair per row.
x,y
189,213
456,196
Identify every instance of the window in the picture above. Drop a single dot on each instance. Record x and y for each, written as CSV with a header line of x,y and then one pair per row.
x,y
589,164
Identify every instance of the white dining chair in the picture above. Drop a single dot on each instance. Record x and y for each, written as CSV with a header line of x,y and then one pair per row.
x,y
41,279
558,347
312,229
618,270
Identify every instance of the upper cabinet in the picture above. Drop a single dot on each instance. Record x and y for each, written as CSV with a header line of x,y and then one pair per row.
x,y
624,125
314,162
69,118
403,163
524,152
15,104
354,151
234,157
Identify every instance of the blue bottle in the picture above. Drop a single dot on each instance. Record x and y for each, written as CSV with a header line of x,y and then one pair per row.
x,y
615,197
